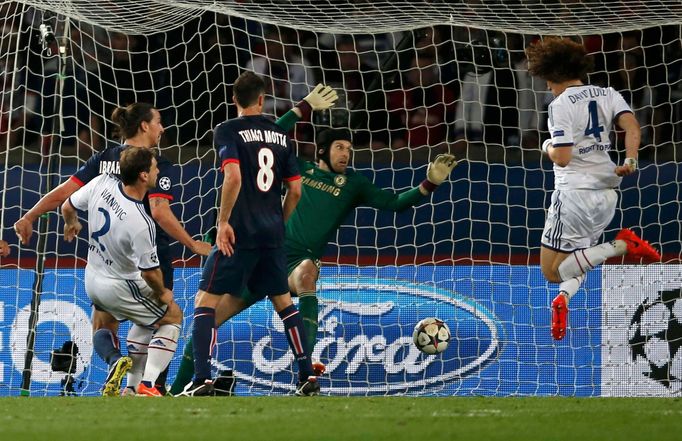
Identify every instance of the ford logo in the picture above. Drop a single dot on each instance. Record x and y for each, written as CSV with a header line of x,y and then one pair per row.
x,y
365,339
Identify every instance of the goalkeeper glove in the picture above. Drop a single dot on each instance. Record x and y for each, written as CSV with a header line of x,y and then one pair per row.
x,y
321,98
438,171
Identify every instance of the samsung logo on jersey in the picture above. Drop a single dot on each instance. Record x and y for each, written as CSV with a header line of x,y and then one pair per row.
x,y
109,167
365,339
267,136
589,93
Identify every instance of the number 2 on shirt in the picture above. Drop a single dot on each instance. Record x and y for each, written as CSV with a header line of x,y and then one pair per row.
x,y
593,128
265,176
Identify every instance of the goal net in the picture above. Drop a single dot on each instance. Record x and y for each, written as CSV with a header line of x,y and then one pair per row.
x,y
416,79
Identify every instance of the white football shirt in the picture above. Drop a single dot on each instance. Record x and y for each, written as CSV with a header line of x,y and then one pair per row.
x,y
122,235
582,117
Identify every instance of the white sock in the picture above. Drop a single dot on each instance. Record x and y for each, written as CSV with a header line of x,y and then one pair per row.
x,y
161,351
581,261
571,286
138,340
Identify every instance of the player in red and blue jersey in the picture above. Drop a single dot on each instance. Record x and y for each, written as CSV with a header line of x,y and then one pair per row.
x,y
139,124
256,159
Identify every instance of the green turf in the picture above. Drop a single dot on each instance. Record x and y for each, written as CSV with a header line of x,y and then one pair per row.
x,y
324,418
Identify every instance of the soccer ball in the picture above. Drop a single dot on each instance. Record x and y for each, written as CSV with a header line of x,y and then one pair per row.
x,y
431,336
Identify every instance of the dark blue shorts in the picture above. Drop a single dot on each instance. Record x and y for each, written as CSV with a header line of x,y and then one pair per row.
x,y
262,271
166,264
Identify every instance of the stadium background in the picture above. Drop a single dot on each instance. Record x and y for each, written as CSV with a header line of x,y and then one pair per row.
x,y
482,228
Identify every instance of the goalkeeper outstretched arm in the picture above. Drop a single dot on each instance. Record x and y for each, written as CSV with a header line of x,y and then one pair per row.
x,y
436,173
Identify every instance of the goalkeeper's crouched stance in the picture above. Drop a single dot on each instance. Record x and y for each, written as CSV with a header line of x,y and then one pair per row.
x,y
330,191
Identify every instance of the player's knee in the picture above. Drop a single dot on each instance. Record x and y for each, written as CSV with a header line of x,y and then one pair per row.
x,y
306,276
551,274
102,320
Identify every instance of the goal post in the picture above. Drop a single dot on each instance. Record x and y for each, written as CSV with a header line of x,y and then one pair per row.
x,y
415,79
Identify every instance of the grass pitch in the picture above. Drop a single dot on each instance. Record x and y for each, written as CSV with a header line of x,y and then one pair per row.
x,y
324,418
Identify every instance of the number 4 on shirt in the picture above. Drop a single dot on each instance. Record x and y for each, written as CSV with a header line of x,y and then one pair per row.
x,y
593,128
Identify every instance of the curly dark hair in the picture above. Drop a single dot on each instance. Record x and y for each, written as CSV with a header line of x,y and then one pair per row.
x,y
558,59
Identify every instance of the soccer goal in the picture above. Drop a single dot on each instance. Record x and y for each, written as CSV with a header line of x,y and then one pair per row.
x,y
415,79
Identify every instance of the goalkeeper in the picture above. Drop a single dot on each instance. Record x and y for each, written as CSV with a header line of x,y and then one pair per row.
x,y
330,192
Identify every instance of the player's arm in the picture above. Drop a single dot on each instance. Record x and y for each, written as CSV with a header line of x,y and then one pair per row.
x,y
4,248
294,190
232,183
79,200
154,279
559,147
560,155
164,216
24,226
321,98
436,173
633,134
88,171
144,249
71,224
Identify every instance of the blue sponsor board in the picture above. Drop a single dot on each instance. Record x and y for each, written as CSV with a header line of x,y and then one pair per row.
x,y
498,316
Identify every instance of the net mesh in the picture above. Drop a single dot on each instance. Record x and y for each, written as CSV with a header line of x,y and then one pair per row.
x,y
416,79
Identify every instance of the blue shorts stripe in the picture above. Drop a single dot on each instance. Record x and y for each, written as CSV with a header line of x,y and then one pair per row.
x,y
144,301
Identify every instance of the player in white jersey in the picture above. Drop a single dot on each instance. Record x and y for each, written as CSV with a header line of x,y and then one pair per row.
x,y
122,277
585,178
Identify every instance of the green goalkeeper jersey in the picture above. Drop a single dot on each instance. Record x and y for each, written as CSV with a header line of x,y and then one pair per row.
x,y
326,200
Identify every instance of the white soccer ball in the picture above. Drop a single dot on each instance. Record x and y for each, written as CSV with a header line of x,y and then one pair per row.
x,y
431,336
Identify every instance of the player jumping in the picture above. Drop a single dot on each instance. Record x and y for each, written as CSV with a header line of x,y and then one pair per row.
x,y
583,203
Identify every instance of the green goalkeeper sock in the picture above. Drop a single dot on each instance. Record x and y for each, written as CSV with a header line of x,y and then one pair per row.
x,y
186,370
307,304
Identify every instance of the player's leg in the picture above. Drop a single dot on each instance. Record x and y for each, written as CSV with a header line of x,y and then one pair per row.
x,y
137,342
273,263
549,262
295,333
228,307
303,283
221,275
105,326
587,215
104,335
161,349
107,344
166,264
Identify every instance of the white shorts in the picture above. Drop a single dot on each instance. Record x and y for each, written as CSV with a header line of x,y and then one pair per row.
x,y
577,218
124,299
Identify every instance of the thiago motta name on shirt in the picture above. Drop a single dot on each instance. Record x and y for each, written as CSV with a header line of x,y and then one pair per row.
x,y
267,136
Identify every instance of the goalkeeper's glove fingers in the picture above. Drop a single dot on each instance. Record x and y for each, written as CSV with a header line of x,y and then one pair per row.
x,y
322,97
439,169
